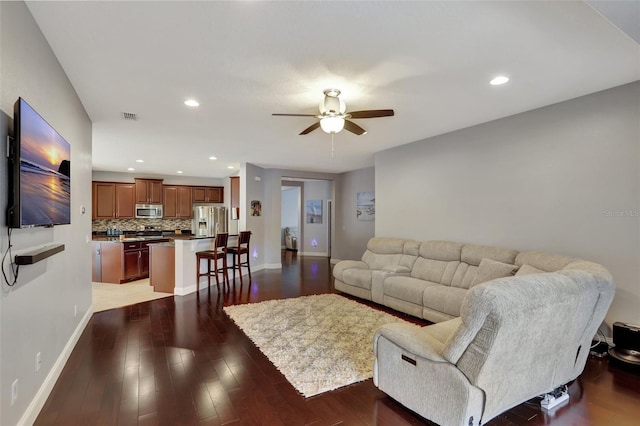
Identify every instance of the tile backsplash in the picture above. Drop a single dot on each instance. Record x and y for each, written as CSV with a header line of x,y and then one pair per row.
x,y
101,225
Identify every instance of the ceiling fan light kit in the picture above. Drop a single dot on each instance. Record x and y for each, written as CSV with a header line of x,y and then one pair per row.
x,y
332,124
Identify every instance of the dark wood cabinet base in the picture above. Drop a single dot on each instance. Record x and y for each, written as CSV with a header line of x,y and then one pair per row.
x,y
122,262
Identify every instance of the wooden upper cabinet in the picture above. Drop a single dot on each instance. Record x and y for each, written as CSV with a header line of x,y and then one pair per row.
x,y
149,191
113,200
177,202
169,198
125,201
103,200
184,207
208,194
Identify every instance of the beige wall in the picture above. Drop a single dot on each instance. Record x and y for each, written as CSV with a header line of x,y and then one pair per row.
x,y
38,313
563,178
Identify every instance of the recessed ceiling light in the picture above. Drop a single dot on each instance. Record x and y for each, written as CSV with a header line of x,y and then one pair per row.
x,y
131,169
230,167
139,161
179,172
497,81
213,157
191,103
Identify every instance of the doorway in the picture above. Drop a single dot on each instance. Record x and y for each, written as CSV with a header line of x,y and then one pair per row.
x,y
291,215
307,212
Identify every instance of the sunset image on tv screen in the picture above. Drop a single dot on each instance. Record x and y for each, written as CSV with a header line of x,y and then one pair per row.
x,y
45,170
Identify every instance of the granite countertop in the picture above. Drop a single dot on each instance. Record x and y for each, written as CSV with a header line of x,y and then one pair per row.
x,y
133,238
116,239
165,244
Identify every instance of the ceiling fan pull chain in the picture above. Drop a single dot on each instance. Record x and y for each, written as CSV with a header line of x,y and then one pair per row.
x,y
332,144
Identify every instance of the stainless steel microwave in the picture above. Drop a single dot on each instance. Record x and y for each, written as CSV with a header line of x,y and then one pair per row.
x,y
149,211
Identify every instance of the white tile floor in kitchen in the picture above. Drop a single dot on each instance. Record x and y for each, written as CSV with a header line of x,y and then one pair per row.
x,y
109,296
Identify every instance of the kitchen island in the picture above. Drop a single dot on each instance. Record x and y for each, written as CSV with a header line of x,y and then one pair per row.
x,y
185,253
120,261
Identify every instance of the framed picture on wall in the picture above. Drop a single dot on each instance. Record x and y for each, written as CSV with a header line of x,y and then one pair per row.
x,y
314,211
366,206
256,208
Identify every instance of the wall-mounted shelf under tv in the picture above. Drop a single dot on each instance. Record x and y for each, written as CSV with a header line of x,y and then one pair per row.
x,y
36,255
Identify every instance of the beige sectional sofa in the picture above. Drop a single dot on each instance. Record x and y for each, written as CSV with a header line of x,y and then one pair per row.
x,y
430,279
509,325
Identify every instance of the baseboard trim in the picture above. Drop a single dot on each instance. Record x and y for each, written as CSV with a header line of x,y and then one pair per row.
x,y
313,254
31,414
183,291
334,260
272,266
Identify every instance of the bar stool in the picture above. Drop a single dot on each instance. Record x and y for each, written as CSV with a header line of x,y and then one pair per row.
x,y
219,252
239,250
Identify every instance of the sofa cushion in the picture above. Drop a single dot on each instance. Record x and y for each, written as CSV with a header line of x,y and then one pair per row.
x,y
437,271
464,275
406,288
473,254
444,299
528,270
357,277
490,269
446,251
545,261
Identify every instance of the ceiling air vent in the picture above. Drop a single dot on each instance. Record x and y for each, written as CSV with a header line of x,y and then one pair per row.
x,y
129,116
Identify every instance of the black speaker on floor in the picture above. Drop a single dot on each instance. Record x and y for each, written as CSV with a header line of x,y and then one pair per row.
x,y
626,338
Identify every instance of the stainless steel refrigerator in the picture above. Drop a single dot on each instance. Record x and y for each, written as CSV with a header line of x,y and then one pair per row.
x,y
209,219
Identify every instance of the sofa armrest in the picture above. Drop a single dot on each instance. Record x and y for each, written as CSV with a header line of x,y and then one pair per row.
x,y
397,269
412,339
378,277
341,266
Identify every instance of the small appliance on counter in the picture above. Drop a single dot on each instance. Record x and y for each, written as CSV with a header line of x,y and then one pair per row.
x,y
626,340
209,219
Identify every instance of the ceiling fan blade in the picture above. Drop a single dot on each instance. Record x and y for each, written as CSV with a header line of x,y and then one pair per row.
x,y
372,113
310,128
294,115
354,128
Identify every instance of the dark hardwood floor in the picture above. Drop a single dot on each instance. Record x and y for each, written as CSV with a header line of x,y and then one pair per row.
x,y
182,361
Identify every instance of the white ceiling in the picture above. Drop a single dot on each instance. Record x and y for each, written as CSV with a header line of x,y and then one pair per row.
x,y
430,61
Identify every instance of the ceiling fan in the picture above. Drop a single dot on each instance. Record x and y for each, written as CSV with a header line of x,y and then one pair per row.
x,y
333,116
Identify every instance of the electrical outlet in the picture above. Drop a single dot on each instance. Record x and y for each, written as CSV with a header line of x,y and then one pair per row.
x,y
75,311
14,391
38,361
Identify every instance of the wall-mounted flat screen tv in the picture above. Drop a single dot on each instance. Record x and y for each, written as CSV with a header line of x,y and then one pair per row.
x,y
39,172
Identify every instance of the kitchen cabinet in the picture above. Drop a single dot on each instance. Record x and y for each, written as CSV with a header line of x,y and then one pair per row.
x,y
208,194
148,191
125,206
104,200
113,200
131,257
177,202
122,261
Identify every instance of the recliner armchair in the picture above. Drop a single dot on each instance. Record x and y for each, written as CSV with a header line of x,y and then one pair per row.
x,y
513,341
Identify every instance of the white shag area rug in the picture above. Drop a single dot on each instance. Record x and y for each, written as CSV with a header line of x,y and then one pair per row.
x,y
319,343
